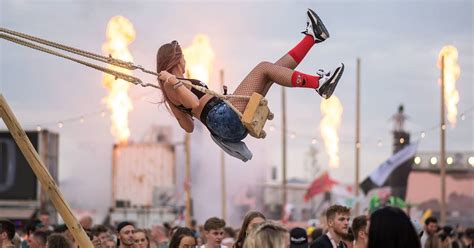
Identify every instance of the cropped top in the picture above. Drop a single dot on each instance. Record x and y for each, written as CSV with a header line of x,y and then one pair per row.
x,y
196,92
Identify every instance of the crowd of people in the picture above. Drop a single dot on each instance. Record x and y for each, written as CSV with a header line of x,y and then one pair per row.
x,y
386,227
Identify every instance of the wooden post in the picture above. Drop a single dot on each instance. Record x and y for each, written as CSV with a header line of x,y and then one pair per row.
x,y
223,179
187,183
357,141
41,172
283,153
442,162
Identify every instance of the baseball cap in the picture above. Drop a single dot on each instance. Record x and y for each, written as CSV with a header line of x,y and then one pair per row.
x,y
298,238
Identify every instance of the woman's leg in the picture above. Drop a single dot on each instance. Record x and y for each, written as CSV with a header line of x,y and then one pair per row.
x,y
265,72
261,77
293,58
315,32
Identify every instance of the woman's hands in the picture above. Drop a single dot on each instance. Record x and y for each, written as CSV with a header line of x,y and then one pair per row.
x,y
165,76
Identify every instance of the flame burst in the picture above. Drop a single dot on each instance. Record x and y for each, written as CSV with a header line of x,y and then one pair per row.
x,y
199,58
331,110
120,33
452,71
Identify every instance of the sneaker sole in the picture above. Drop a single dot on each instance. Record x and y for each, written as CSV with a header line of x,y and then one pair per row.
x,y
333,82
319,25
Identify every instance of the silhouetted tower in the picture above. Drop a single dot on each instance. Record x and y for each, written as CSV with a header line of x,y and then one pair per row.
x,y
401,138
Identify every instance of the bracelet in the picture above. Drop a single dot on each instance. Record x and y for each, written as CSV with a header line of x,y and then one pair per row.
x,y
177,85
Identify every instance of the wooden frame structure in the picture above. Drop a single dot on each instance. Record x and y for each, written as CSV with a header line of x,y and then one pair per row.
x,y
41,172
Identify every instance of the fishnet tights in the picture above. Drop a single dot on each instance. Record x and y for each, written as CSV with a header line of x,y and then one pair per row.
x,y
261,78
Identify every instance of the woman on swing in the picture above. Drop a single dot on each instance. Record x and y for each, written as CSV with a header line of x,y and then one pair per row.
x,y
186,102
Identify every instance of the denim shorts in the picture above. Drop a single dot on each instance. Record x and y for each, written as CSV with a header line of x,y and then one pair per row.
x,y
222,121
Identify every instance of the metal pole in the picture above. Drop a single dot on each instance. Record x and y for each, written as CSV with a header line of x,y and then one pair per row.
x,y
357,141
187,186
283,153
223,179
442,163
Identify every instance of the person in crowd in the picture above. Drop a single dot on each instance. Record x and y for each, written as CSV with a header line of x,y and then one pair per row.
x,y
141,239
390,227
7,234
431,226
447,236
251,220
57,240
466,239
360,231
17,240
195,228
45,221
298,238
101,232
309,232
183,237
268,234
110,242
214,232
445,240
229,237
316,233
86,222
29,229
430,238
348,239
38,239
125,234
337,218
158,238
200,241
94,239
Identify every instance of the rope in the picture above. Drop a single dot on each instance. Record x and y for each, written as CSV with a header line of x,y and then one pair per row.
x,y
116,74
109,60
104,59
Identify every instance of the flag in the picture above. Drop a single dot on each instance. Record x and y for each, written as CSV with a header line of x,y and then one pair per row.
x,y
321,184
392,170
343,194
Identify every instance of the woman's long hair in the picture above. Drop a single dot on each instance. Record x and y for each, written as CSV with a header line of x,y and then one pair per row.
x,y
268,234
390,227
179,234
167,57
245,225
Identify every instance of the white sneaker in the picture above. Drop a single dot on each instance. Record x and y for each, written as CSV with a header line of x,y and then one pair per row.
x,y
328,81
315,27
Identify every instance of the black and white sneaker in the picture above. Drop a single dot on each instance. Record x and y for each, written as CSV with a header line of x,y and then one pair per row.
x,y
328,81
315,27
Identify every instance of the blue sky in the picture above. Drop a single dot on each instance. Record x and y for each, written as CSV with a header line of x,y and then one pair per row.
x,y
397,41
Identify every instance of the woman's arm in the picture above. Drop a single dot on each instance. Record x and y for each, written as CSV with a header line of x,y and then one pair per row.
x,y
185,121
185,96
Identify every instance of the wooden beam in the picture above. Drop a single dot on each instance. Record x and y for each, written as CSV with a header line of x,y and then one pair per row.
x,y
41,172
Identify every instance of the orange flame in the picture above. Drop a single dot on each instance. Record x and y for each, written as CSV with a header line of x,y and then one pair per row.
x,y
331,110
199,58
452,71
120,33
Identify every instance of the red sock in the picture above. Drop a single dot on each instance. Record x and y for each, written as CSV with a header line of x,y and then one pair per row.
x,y
300,50
299,79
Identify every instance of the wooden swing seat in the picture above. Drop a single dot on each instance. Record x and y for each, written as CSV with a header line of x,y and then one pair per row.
x,y
256,115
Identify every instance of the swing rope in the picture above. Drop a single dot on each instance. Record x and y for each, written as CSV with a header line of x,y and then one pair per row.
x,y
9,35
